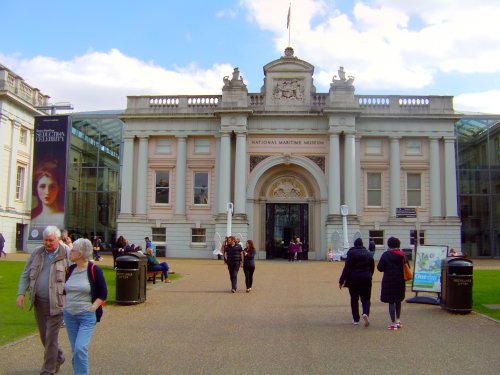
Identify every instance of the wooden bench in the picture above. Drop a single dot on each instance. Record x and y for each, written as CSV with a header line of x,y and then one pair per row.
x,y
151,276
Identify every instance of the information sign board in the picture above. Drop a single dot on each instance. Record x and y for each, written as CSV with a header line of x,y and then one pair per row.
x,y
427,268
406,212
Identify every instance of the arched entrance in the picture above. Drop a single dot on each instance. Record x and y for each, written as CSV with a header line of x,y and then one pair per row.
x,y
286,199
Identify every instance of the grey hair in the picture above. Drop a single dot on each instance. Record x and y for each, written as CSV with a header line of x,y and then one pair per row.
x,y
83,246
52,229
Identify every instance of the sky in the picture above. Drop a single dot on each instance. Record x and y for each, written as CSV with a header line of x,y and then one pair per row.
x,y
95,53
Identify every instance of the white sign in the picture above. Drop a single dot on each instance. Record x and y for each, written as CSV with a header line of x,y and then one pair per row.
x,y
427,272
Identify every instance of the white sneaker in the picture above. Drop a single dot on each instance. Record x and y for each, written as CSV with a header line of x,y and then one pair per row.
x,y
365,318
355,323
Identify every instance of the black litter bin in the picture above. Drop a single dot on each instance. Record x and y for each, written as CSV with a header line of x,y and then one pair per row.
x,y
456,285
131,270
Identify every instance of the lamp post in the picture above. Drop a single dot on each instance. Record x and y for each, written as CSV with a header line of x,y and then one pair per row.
x,y
344,210
229,217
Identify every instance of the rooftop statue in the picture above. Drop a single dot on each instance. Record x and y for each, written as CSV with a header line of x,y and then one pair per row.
x,y
235,81
342,80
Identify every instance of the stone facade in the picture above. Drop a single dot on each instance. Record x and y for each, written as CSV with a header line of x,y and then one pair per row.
x,y
287,148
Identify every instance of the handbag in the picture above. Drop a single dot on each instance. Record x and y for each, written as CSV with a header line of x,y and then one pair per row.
x,y
407,274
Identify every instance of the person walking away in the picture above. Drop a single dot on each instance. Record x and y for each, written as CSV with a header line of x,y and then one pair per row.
x,y
393,283
2,244
150,244
97,248
291,251
155,265
43,276
372,247
358,271
233,254
86,292
249,264
298,249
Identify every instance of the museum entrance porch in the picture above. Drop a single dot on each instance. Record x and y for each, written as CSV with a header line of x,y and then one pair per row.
x,y
285,222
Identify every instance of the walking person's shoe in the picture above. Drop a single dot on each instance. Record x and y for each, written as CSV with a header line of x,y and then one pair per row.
x,y
399,324
233,290
59,364
393,327
365,318
354,323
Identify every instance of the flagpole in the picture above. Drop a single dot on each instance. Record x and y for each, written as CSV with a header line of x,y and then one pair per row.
x,y
288,23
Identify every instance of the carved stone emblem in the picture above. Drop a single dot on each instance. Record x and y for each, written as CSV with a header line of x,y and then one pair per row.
x,y
285,89
287,187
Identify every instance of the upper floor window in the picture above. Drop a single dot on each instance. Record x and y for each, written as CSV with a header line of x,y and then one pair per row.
x,y
200,188
413,190
374,189
20,178
414,147
23,136
374,147
162,187
201,146
163,146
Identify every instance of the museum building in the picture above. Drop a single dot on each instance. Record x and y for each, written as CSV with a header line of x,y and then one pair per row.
x,y
288,158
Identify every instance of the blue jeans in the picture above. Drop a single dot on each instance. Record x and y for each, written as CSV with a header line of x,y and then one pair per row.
x,y
80,328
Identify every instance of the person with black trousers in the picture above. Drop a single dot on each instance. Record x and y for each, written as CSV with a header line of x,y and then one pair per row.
x,y
233,256
357,276
249,264
393,283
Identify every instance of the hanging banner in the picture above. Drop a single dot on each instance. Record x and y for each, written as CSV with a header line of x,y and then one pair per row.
x,y
50,155
427,268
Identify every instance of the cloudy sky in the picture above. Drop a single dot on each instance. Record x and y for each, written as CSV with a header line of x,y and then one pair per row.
x,y
94,53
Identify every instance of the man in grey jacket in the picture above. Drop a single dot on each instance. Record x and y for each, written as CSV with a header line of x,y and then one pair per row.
x,y
44,276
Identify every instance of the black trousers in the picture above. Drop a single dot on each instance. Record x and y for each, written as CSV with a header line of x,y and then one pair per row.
x,y
233,274
249,270
360,290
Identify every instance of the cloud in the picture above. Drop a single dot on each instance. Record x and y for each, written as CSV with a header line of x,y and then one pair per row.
x,y
102,80
485,102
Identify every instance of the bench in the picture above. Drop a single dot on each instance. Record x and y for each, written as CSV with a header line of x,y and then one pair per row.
x,y
151,276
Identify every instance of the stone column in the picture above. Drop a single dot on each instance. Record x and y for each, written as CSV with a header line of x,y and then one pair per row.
x,y
3,120
180,176
358,170
395,175
225,172
127,173
350,184
334,175
215,207
240,174
435,176
12,176
450,180
142,176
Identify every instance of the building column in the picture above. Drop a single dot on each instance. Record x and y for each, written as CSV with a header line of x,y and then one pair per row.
x,y
350,185
224,172
395,175
435,176
142,175
450,180
127,175
334,175
180,176
12,176
3,120
358,170
217,176
240,174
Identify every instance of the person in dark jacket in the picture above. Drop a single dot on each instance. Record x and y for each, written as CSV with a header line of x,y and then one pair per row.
x,y
249,264
86,292
233,255
393,283
357,276
155,265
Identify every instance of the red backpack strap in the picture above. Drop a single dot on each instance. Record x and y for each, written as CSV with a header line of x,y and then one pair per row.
x,y
92,271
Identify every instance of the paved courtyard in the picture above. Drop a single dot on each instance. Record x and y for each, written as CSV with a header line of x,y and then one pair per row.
x,y
295,321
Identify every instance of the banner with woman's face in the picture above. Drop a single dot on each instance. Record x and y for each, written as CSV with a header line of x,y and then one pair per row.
x,y
50,154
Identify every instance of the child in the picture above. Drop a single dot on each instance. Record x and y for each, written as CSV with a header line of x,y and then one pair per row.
x,y
330,255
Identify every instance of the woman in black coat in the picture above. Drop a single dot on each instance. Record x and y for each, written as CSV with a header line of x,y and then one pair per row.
x,y
357,274
393,283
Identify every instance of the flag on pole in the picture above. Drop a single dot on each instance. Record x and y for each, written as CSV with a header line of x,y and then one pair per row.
x,y
288,17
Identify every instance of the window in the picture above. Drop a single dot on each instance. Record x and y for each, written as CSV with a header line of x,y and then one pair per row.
x,y
377,236
413,235
374,147
23,136
374,189
201,146
413,190
21,173
162,187
200,188
414,147
163,146
158,235
198,235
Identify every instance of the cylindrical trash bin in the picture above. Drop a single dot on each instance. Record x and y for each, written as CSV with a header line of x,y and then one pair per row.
x,y
456,285
131,270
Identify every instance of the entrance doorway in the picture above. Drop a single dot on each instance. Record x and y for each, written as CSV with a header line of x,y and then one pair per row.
x,y
284,222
